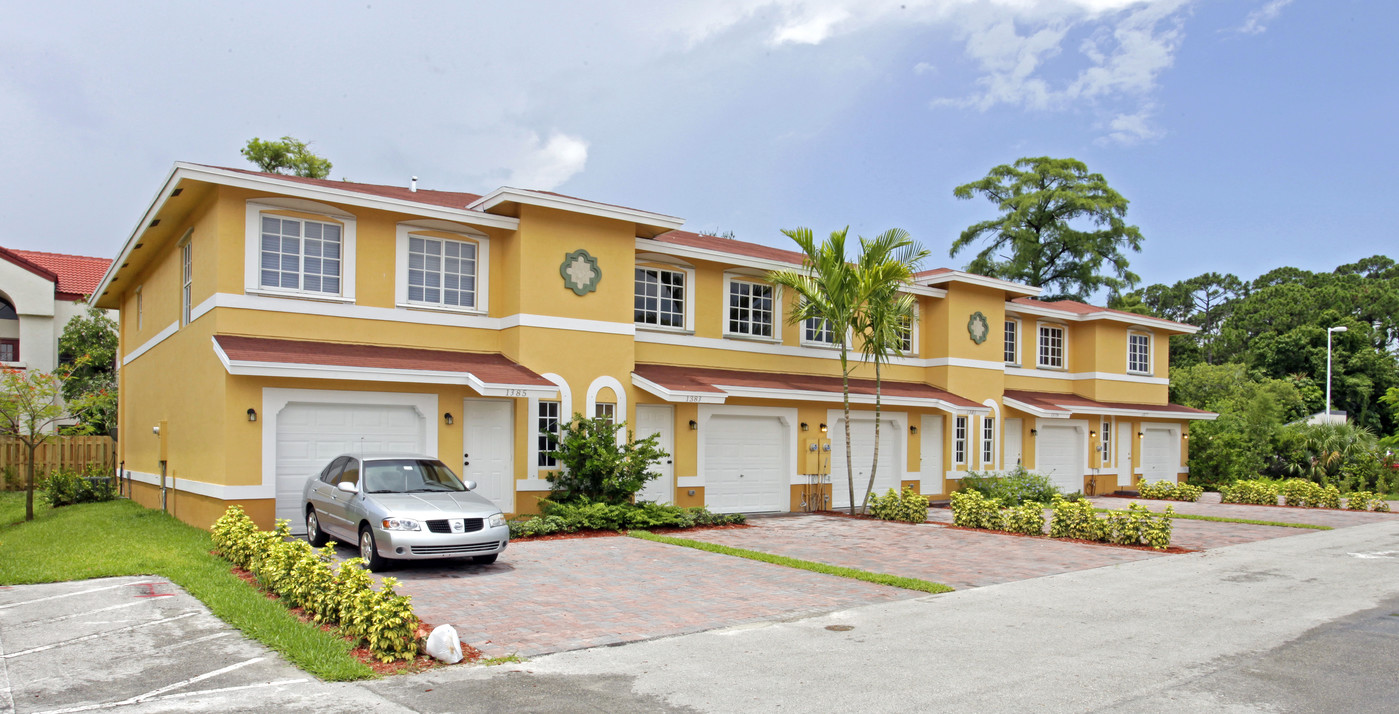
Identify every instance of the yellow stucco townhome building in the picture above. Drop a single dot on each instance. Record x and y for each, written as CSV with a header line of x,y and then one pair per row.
x,y
270,322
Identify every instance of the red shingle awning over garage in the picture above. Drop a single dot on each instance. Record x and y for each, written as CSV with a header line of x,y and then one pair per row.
x,y
1061,406
491,375
714,386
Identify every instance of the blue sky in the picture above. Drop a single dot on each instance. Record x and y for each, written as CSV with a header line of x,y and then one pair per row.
x,y
1248,134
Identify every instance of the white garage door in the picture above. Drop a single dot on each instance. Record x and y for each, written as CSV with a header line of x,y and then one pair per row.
x,y
309,435
888,474
1160,455
745,464
1059,455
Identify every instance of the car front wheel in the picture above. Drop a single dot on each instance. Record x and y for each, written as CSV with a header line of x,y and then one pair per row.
x,y
314,535
369,552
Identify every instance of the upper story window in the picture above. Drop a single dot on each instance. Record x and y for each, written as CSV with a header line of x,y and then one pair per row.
x,y
1051,347
9,328
300,255
1012,342
660,297
441,271
186,279
750,309
140,310
906,338
299,248
1139,352
959,441
817,331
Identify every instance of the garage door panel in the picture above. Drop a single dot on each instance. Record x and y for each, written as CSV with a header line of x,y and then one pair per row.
x,y
1160,455
745,459
862,457
1060,456
310,434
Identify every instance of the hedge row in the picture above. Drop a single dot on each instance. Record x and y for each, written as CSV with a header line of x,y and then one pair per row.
x,y
588,516
1170,491
344,596
1137,525
1299,492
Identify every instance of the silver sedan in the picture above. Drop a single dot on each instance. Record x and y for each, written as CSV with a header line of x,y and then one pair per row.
x,y
402,506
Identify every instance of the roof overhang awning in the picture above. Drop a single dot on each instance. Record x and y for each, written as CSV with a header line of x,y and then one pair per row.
x,y
490,375
715,386
1049,405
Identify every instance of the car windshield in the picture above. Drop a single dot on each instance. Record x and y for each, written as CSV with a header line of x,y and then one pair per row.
x,y
409,476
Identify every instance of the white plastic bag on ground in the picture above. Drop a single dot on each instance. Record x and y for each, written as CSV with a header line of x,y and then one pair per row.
x,y
444,644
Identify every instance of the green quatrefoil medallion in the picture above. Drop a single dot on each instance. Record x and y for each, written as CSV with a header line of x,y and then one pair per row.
x,y
978,328
580,272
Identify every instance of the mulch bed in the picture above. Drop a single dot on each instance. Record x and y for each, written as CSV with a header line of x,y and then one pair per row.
x,y
422,662
1172,550
612,534
863,517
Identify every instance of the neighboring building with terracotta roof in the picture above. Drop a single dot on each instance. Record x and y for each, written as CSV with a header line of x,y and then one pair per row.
x,y
270,322
39,294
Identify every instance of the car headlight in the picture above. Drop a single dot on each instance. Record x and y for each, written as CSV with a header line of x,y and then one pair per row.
x,y
497,520
401,524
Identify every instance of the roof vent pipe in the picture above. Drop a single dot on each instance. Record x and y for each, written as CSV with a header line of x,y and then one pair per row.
x,y
413,186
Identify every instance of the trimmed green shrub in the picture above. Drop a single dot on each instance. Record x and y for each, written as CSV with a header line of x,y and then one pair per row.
x,y
1366,501
1260,492
586,515
1013,488
65,487
909,506
1027,518
1170,491
303,577
594,467
1139,525
1308,494
970,509
1075,519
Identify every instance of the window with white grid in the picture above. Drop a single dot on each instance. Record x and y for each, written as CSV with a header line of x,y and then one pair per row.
x,y
906,335
607,411
816,330
660,297
1051,348
300,255
1012,342
186,280
1107,441
1139,352
547,423
988,441
959,441
442,272
750,309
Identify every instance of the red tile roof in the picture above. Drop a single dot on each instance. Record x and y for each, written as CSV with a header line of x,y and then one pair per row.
x,y
489,368
692,379
449,199
728,245
1073,403
77,274
1080,308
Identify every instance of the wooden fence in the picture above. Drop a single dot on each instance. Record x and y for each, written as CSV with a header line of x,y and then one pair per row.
x,y
70,452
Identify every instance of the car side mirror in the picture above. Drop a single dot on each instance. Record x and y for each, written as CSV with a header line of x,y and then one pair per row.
x,y
471,485
348,487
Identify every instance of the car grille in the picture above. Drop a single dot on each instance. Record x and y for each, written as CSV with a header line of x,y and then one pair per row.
x,y
442,526
447,549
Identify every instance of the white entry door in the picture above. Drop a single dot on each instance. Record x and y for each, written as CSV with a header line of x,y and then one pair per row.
x,y
891,455
1160,454
1014,454
488,458
1060,452
309,435
659,420
932,470
1125,444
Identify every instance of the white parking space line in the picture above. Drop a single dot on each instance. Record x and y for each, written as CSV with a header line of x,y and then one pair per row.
x,y
177,695
57,597
61,618
155,693
85,638
7,699
195,641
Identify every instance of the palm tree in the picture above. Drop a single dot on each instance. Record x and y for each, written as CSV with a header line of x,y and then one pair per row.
x,y
887,263
828,289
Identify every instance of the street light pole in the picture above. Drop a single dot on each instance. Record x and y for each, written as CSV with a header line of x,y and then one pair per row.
x,y
1329,330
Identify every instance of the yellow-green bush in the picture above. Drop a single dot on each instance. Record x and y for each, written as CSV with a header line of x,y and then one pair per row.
x,y
1170,491
909,506
303,577
1366,501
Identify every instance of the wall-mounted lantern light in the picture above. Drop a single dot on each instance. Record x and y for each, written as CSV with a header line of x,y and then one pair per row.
x,y
806,426
693,425
1186,436
448,418
1034,432
1092,434
912,429
823,428
252,414
1140,434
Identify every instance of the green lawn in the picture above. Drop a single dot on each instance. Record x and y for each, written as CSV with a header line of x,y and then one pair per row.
x,y
98,540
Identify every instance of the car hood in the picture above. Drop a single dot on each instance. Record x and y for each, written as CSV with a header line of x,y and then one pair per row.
x,y
439,504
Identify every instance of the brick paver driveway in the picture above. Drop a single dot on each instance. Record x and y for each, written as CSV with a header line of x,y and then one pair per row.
x,y
552,596
953,557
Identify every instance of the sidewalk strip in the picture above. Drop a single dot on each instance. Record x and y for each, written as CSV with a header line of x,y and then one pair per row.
x,y
60,618
94,636
56,597
155,694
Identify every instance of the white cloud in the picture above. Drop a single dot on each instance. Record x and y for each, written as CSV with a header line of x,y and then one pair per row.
x,y
1129,129
1257,21
547,165
924,68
